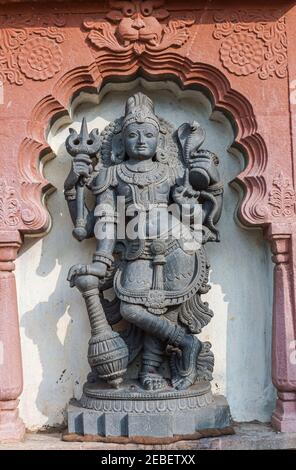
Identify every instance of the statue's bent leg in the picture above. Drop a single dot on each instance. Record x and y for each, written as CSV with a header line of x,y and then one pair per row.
x,y
153,352
154,325
107,351
184,367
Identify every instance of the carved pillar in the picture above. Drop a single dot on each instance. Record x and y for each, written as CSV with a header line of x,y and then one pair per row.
x,y
282,242
11,382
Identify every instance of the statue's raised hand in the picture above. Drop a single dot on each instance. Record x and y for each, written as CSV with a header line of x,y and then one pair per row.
x,y
81,168
203,166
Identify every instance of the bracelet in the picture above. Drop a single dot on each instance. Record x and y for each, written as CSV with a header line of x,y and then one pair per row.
x,y
107,218
70,194
216,189
103,257
105,213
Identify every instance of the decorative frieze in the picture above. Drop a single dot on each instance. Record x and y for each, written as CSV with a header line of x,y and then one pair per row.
x,y
9,205
282,197
135,26
252,42
14,213
29,48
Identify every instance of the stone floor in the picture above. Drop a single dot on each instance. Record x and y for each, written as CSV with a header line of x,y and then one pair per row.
x,y
248,436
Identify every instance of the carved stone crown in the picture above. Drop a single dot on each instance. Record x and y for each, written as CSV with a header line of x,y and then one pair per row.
x,y
139,108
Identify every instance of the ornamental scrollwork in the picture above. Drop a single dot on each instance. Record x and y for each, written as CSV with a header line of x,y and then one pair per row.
x,y
252,42
282,197
30,48
13,212
9,205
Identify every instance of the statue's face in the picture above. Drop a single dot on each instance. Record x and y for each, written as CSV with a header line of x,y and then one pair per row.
x,y
141,141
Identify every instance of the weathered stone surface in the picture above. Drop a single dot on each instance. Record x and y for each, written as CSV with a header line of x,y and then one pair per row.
x,y
213,415
248,436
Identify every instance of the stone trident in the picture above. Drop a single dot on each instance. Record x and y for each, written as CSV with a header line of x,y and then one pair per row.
x,y
82,147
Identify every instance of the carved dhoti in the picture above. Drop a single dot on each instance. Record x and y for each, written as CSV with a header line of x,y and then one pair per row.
x,y
180,275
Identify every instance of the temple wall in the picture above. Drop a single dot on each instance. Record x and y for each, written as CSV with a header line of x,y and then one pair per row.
x,y
53,320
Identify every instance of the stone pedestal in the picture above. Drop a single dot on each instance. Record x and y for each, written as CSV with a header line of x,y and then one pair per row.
x,y
132,411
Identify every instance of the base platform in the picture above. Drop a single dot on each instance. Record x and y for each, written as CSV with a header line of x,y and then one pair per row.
x,y
132,411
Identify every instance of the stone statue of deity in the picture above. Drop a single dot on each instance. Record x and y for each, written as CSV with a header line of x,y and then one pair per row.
x,y
158,198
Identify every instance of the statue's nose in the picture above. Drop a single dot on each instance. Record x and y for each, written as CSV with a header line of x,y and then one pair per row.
x,y
138,22
140,139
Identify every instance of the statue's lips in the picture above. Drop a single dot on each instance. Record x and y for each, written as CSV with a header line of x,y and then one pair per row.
x,y
135,35
141,147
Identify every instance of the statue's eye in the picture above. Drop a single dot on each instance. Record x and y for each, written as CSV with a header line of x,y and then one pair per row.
x,y
129,11
146,10
149,134
132,135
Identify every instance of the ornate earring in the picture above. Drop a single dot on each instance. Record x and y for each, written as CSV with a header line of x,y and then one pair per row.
x,y
161,155
118,151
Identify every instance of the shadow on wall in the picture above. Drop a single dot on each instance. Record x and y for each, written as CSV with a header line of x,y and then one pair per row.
x,y
248,307
58,326
54,324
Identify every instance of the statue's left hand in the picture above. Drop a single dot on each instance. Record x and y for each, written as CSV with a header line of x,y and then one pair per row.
x,y
94,269
185,195
203,169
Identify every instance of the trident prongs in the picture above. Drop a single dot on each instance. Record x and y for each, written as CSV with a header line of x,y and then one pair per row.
x,y
83,143
82,146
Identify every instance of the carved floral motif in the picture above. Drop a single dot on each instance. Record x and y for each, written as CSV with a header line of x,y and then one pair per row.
x,y
13,212
28,50
255,42
242,54
282,197
40,58
9,205
134,26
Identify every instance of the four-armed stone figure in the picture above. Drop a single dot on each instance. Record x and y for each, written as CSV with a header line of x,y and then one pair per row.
x,y
158,198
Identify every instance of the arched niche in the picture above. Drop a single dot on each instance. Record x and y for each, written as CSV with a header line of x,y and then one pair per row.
x,y
241,328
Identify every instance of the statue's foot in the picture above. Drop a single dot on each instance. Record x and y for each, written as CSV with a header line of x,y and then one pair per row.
x,y
184,364
152,381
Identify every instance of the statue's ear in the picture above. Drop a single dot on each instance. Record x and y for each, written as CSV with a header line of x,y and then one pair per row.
x,y
161,154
